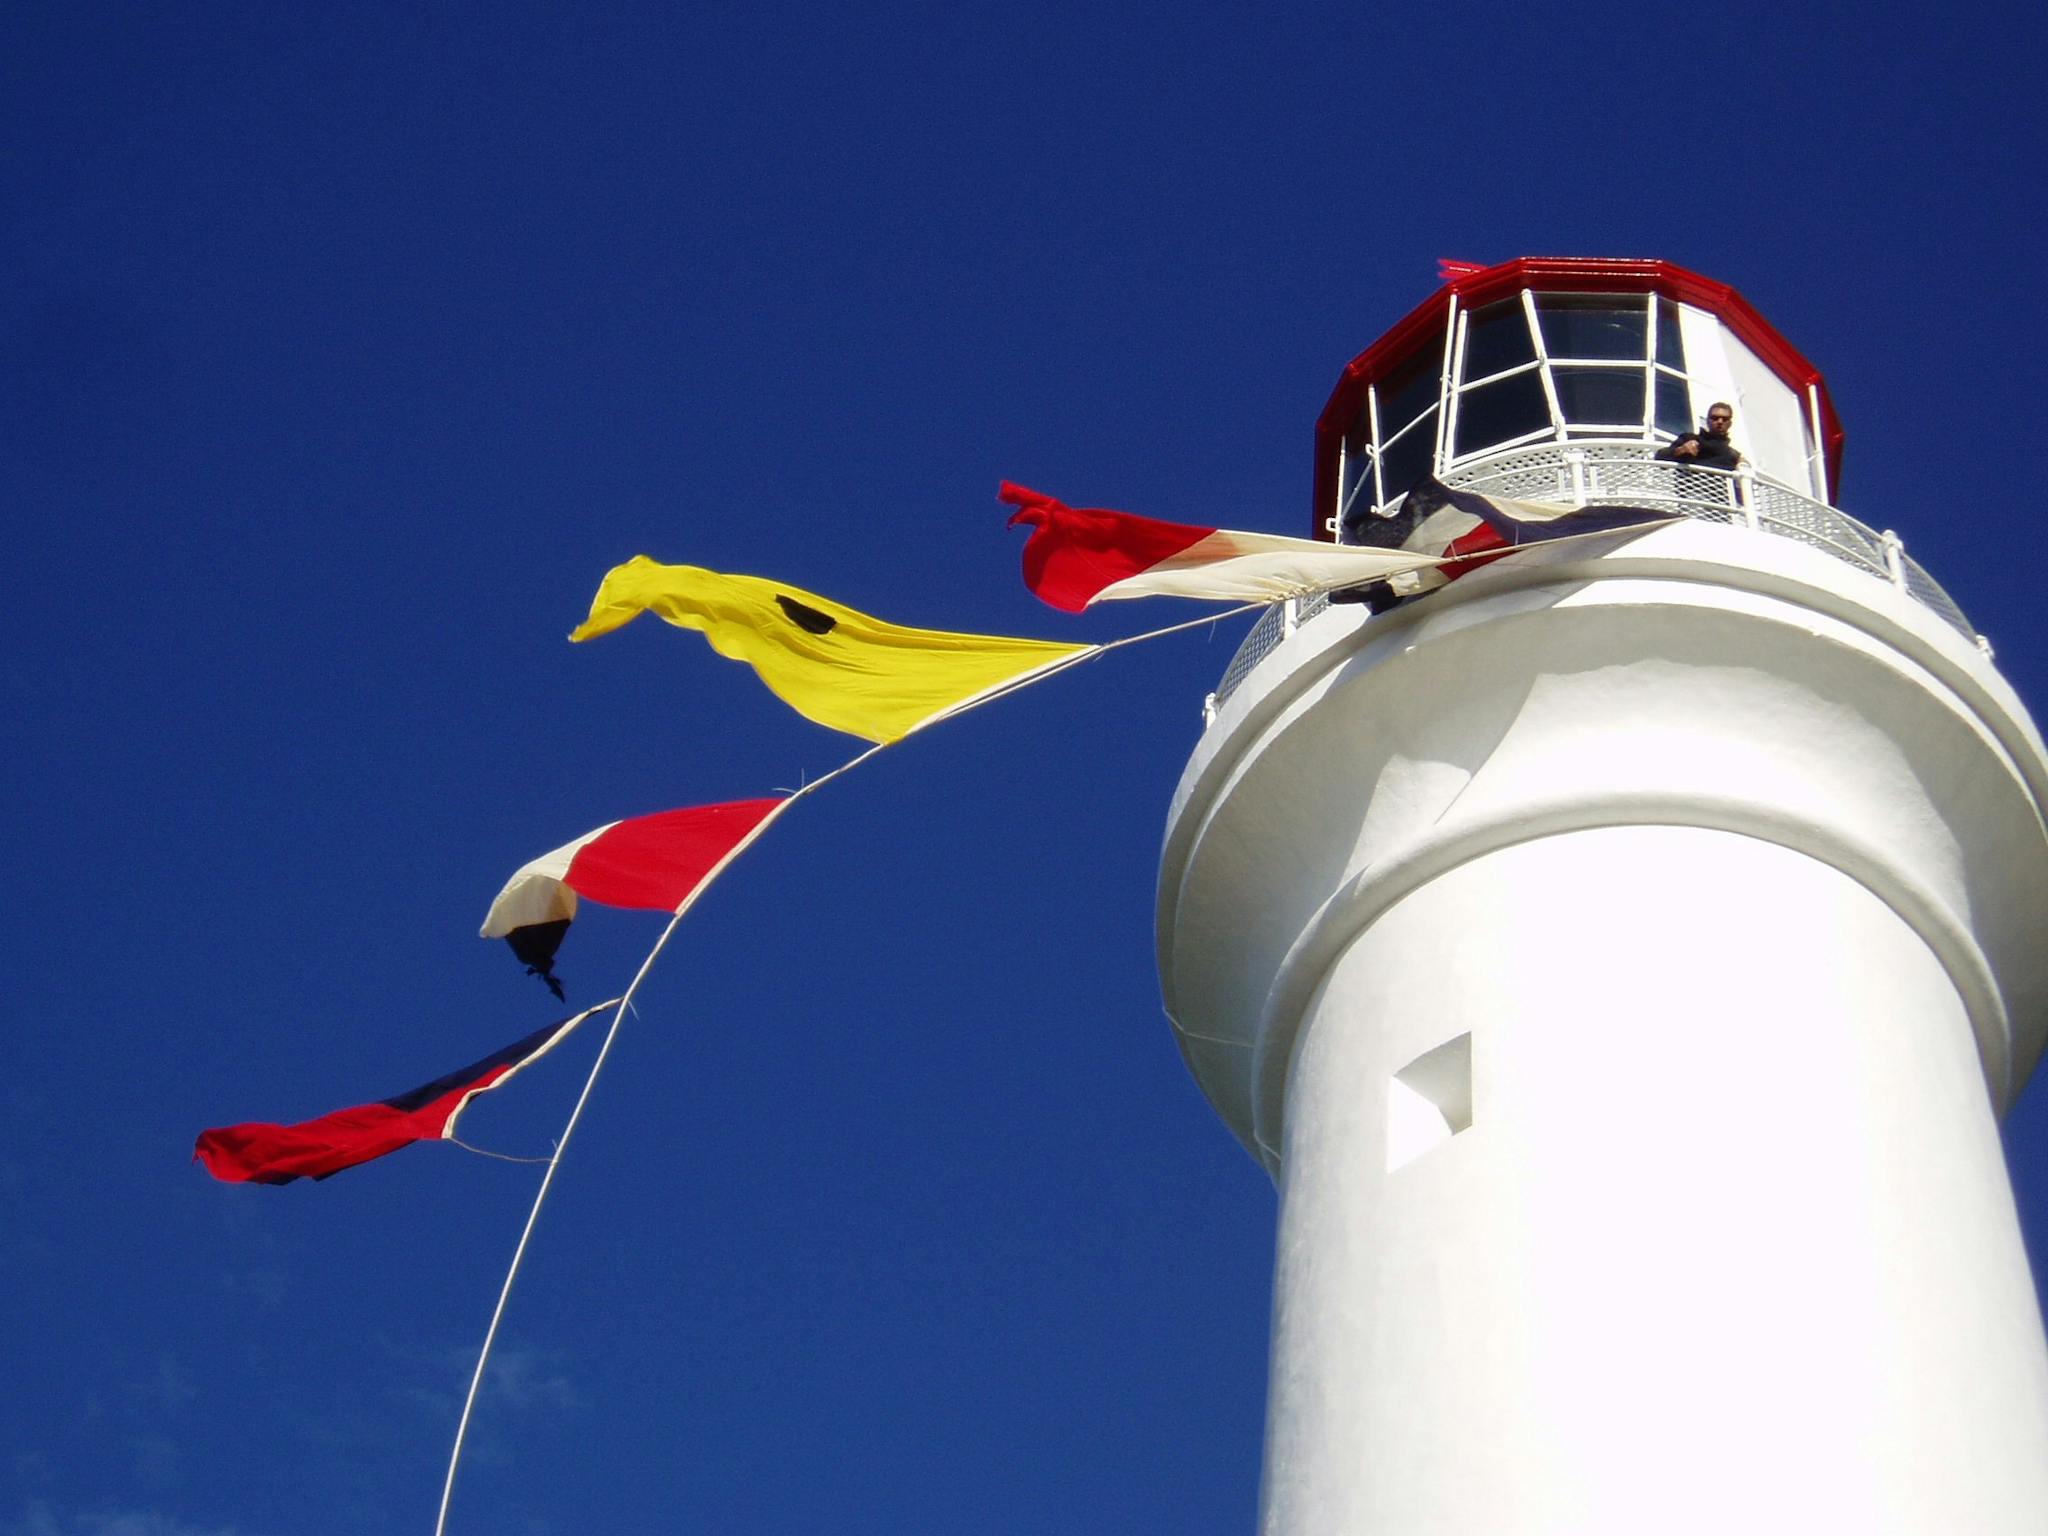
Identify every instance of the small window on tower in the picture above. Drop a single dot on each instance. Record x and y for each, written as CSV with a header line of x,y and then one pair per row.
x,y
1429,1101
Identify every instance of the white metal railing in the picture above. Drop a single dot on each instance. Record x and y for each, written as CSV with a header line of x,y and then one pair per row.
x,y
1628,474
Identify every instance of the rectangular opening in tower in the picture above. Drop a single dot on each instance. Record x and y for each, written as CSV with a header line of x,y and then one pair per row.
x,y
1429,1101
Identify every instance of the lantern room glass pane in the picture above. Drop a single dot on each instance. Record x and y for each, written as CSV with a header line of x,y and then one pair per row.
x,y
1670,341
1358,461
1357,481
1411,389
1674,405
1408,459
1497,339
1502,411
1595,325
1608,396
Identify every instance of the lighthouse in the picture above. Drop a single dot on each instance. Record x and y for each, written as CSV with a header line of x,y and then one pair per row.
x,y
1620,958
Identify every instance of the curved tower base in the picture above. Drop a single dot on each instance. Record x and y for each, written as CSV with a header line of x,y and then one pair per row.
x,y
1723,1243
1621,959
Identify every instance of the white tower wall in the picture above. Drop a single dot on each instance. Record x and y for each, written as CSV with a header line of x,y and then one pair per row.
x,y
1621,961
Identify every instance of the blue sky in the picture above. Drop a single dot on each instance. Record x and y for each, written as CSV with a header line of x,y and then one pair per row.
x,y
342,351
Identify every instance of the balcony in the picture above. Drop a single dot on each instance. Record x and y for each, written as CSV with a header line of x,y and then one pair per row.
x,y
1627,474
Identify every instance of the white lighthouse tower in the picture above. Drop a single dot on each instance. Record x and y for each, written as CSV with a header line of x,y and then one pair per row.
x,y
1621,958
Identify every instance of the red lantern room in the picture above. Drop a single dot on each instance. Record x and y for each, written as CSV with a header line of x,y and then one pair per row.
x,y
1565,367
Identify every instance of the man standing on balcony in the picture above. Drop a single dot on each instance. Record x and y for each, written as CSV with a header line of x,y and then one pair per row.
x,y
1708,449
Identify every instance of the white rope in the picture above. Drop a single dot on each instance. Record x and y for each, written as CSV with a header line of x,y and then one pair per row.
x,y
626,1002
532,1216
568,1130
503,1157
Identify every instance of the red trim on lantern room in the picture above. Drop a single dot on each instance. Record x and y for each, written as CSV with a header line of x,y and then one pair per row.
x,y
1560,274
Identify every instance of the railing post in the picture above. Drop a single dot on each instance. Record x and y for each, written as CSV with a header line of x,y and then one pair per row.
x,y
1745,492
1208,711
1290,617
1575,460
1895,558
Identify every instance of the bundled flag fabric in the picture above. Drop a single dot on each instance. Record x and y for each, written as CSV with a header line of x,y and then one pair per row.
x,y
1082,555
654,863
259,1153
1435,519
830,663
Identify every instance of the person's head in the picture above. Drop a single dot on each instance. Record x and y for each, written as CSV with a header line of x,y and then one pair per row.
x,y
1720,417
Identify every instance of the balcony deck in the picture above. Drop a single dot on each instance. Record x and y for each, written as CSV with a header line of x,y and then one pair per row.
x,y
1628,474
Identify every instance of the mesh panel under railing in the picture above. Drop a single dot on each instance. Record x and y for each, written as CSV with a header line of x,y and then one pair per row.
x,y
1929,591
1265,636
1819,526
1629,474
1607,474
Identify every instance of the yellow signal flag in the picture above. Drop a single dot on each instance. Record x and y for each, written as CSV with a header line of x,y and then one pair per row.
x,y
829,663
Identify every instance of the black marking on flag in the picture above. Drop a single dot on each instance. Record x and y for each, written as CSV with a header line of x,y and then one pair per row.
x,y
805,617
510,1056
535,946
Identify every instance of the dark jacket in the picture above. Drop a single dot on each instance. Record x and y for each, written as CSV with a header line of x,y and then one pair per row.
x,y
1716,452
